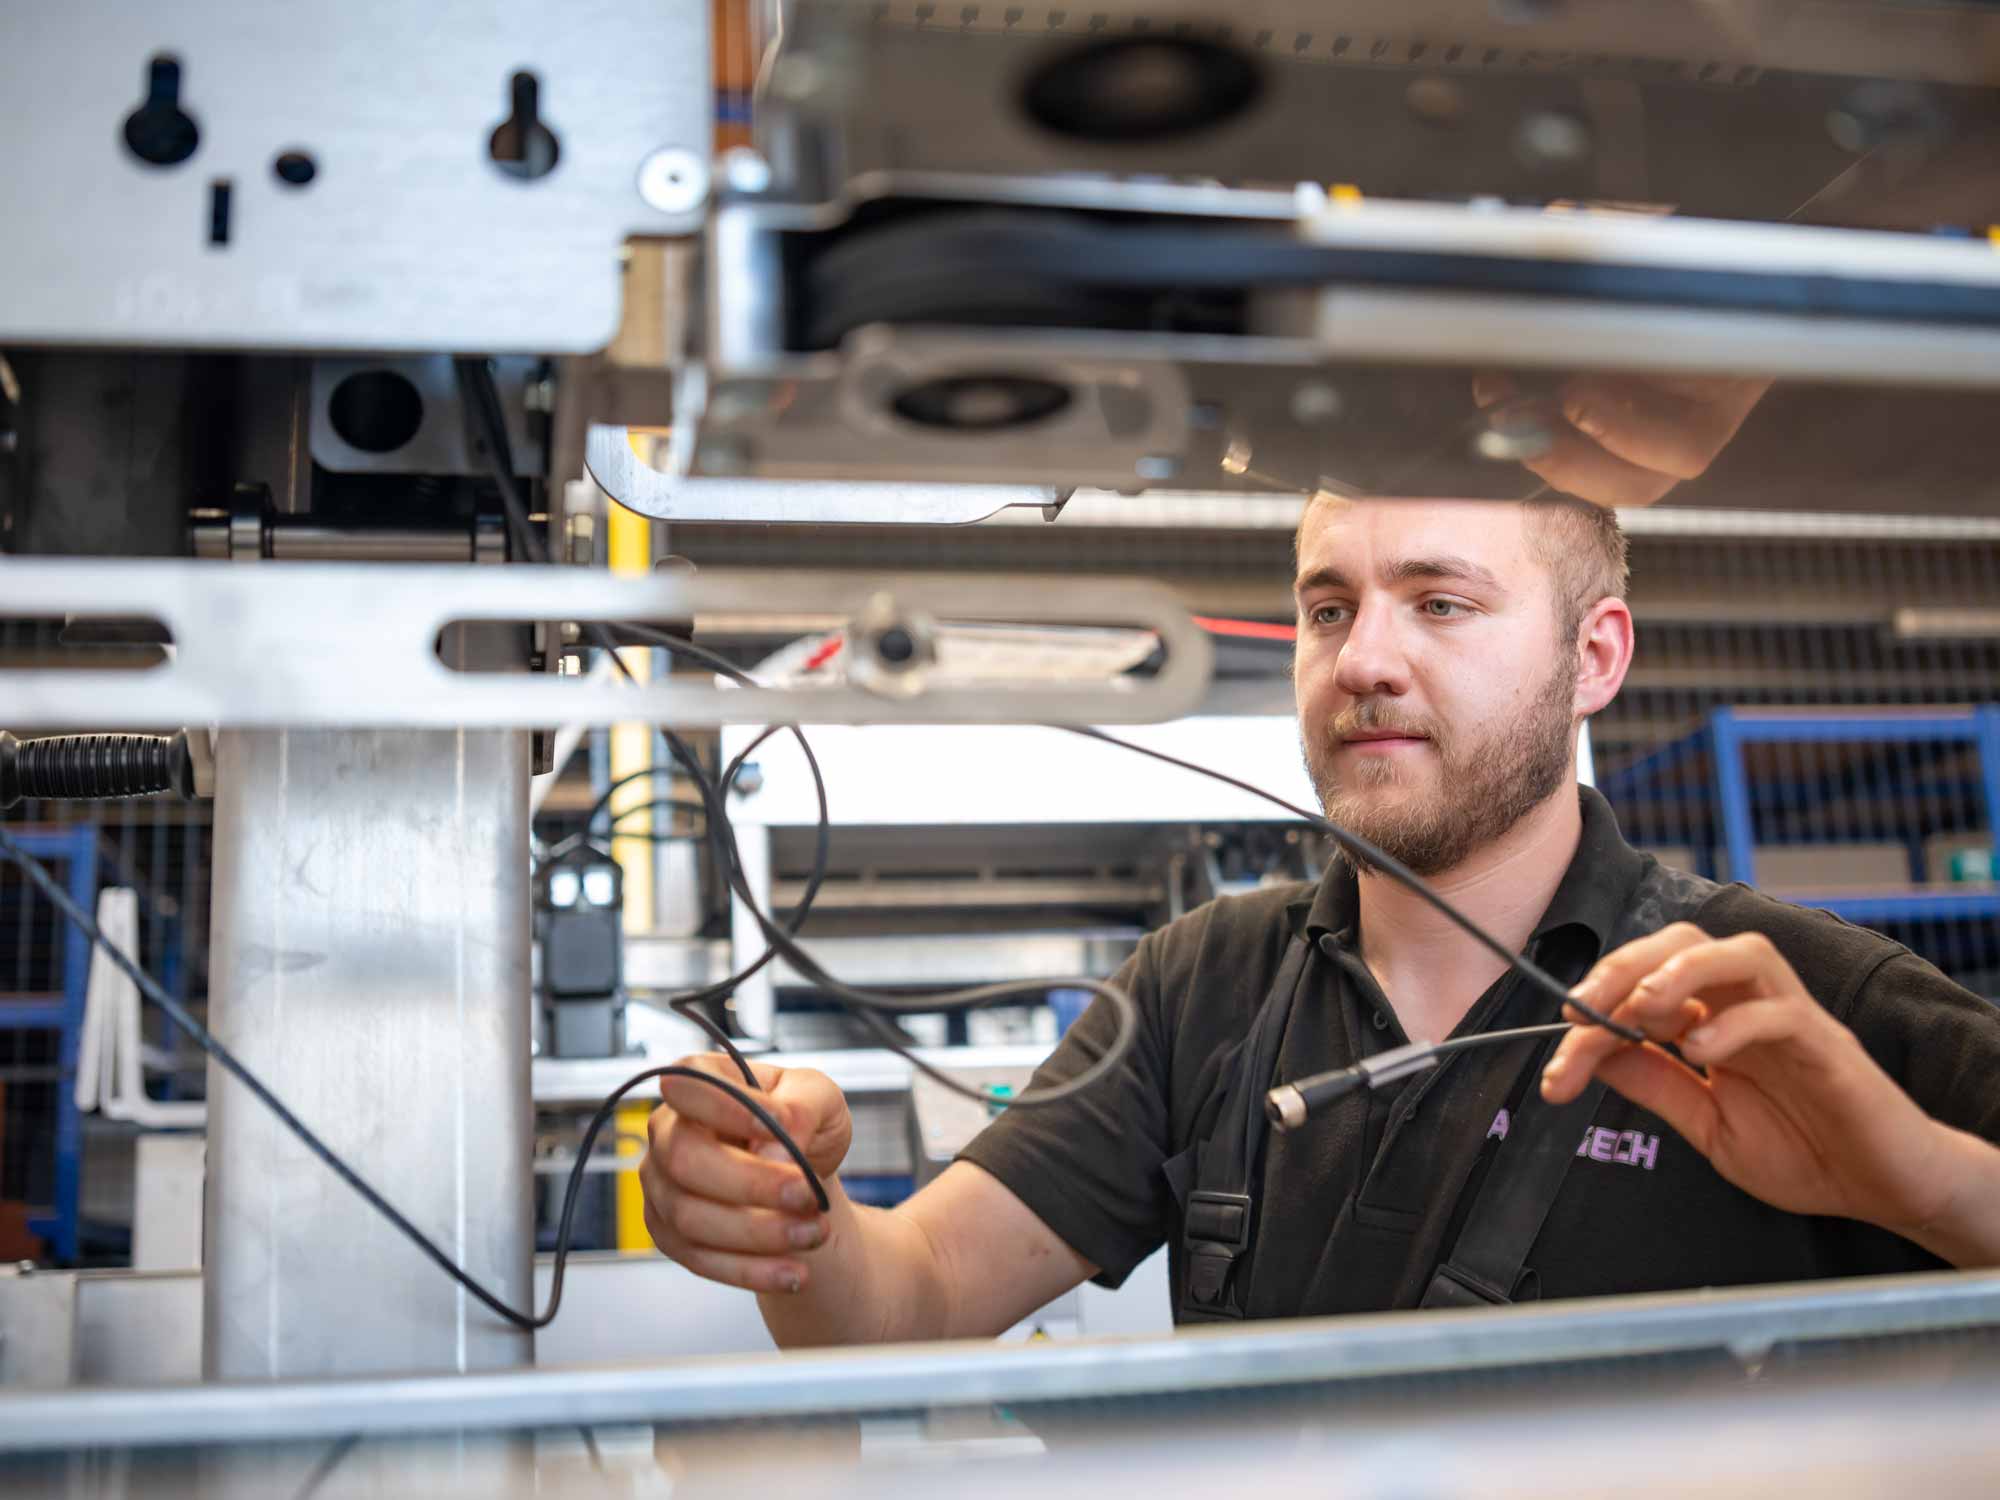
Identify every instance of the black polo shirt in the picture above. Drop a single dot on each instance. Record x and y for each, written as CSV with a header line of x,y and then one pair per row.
x,y
1357,1208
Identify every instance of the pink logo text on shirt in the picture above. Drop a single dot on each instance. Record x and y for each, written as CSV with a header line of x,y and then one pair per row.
x,y
1625,1148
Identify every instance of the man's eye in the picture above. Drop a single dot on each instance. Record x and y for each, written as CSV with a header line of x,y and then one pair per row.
x,y
1330,614
1443,609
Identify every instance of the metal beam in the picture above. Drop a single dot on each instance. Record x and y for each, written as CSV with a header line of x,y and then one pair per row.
x,y
1748,1322
330,645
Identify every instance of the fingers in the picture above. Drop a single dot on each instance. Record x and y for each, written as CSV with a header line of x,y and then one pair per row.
x,y
1785,1018
1653,427
756,1231
711,1107
1722,971
1580,1055
1650,1079
753,1273
1679,985
691,1159
732,1215
1613,977
1626,440
1579,465
1616,986
812,1107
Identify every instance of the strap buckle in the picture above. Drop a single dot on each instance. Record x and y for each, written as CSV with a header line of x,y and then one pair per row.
x,y
1453,1286
1216,1233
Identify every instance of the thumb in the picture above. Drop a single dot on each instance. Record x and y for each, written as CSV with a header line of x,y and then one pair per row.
x,y
809,1105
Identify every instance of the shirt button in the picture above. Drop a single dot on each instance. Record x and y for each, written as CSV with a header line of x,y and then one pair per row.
x,y
1381,1020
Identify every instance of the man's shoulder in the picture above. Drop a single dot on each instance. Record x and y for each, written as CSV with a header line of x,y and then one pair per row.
x,y
1832,955
1256,919
1240,939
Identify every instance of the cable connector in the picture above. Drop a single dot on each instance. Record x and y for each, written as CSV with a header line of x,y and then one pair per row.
x,y
1290,1105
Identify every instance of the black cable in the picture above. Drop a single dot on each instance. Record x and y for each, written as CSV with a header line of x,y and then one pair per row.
x,y
1490,1038
674,804
322,1471
875,1008
1367,853
1288,1105
476,381
874,1005
603,802
871,1006
228,1061
475,378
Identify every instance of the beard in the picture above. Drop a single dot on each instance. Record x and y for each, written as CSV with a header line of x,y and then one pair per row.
x,y
1484,787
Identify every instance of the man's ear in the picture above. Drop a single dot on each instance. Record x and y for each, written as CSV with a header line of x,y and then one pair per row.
x,y
1603,655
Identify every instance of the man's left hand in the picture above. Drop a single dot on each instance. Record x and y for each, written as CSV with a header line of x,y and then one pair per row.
x,y
1626,440
1791,1109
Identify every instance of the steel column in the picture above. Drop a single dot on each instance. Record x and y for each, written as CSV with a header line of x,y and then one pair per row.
x,y
369,959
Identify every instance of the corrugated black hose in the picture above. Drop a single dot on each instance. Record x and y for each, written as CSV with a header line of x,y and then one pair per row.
x,y
94,767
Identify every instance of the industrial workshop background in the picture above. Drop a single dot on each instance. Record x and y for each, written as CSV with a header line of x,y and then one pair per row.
x,y
1815,707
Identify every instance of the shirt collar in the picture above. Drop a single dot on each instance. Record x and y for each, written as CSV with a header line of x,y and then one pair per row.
x,y
1595,889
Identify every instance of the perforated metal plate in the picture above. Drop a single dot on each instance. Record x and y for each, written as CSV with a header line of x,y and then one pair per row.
x,y
409,235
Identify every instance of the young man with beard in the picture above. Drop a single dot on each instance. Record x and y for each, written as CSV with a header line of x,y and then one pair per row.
x,y
1447,653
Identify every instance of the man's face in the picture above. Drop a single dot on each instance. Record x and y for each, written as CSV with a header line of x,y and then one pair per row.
x,y
1437,701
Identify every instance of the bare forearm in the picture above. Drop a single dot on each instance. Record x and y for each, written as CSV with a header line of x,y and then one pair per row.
x,y
874,1280
1967,1232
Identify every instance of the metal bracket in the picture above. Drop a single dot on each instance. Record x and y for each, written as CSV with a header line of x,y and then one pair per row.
x,y
336,182
622,475
339,645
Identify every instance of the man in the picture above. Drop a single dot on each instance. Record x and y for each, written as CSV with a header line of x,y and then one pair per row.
x,y
1447,653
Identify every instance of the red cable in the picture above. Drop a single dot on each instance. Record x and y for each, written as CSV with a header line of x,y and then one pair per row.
x,y
825,653
1254,630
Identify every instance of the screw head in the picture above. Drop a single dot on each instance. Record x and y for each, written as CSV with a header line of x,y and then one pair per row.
x,y
674,181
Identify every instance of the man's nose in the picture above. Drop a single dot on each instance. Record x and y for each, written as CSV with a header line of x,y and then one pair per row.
x,y
1372,659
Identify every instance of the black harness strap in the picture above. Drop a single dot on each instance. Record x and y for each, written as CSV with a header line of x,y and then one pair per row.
x,y
1527,1172
1215,1235
1484,1267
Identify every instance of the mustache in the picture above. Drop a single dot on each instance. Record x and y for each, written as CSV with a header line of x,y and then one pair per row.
x,y
1373,716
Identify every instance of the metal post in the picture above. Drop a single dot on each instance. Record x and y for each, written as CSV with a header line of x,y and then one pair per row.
x,y
1986,718
1732,793
77,848
370,961
756,1002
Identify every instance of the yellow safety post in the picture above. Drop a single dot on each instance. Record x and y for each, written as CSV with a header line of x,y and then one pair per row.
x,y
631,1122
630,544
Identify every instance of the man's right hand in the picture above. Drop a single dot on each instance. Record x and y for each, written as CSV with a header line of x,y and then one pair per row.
x,y
723,1198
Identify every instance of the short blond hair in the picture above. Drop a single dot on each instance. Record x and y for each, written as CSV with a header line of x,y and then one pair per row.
x,y
1581,544
1585,551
